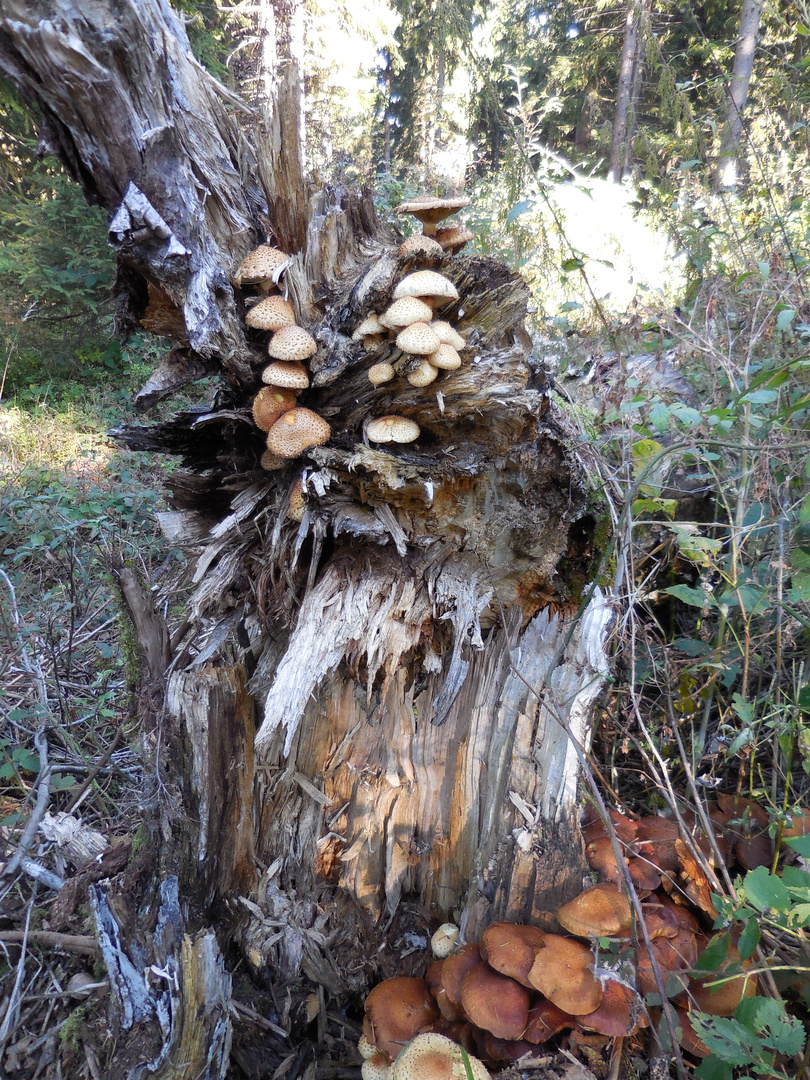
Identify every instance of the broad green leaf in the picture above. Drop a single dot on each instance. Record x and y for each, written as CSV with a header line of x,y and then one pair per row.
x,y
785,318
714,954
800,844
749,939
572,264
765,890
693,597
522,207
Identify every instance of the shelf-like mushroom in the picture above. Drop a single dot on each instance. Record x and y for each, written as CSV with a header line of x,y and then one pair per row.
x,y
430,210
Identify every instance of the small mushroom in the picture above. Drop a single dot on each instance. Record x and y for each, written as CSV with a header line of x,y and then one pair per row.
x,y
620,1012
601,911
376,1067
407,310
287,373
297,431
269,404
444,940
445,357
423,375
420,244
447,334
369,327
366,1047
545,1021
453,238
426,283
430,210
271,461
271,314
396,429
397,1010
263,267
435,1057
297,504
292,343
380,373
562,972
510,948
417,339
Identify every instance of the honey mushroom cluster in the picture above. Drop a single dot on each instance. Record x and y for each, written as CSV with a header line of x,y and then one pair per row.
x,y
291,429
433,343
520,986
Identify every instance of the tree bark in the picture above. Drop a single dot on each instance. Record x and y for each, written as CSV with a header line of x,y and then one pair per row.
x,y
737,92
423,642
627,92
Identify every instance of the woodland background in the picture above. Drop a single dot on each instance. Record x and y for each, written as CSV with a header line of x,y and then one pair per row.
x,y
594,141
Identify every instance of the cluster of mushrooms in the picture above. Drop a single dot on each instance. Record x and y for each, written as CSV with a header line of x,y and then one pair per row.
x,y
495,1000
428,345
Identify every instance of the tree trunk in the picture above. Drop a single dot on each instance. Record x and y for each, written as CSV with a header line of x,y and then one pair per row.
x,y
627,93
737,92
423,643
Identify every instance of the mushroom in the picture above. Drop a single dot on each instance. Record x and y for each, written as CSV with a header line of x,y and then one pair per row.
x,y
456,967
545,1021
366,1047
380,373
722,1000
447,334
297,504
292,343
420,244
376,1067
263,267
397,1010
271,314
453,238
495,1002
396,429
562,972
601,911
510,948
407,310
269,404
429,210
422,375
417,339
297,431
369,327
426,283
271,461
445,357
444,940
287,373
435,1057
620,1013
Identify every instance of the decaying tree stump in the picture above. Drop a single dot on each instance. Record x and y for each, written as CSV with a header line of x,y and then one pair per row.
x,y
414,642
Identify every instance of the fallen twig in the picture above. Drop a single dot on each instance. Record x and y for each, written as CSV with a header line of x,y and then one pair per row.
x,y
83,944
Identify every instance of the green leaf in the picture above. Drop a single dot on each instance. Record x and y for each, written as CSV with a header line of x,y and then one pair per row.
x,y
522,207
688,595
749,939
785,318
714,954
765,890
800,844
572,264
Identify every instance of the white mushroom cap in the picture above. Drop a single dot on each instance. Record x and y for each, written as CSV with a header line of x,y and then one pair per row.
x,y
418,339
392,429
376,1068
296,431
407,310
381,373
289,373
292,343
420,244
426,283
445,357
448,334
435,1057
271,314
366,1047
423,375
444,940
264,263
370,325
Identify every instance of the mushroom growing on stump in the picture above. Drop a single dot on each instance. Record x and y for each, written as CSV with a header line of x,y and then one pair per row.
x,y
420,244
511,948
297,431
435,1057
407,310
271,314
422,375
292,343
562,973
290,374
447,334
380,373
426,283
417,339
494,1002
444,940
397,1010
601,911
263,267
445,357
430,210
270,403
453,238
396,429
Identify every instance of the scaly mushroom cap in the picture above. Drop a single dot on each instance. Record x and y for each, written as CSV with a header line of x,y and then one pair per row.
x,y
420,244
426,283
380,373
370,326
444,940
296,431
292,343
495,1002
562,973
297,504
403,312
430,210
446,358
396,429
288,373
510,948
452,238
397,1010
269,404
620,1013
264,263
447,334
423,375
376,1067
271,314
435,1057
601,911
366,1047
417,339
271,461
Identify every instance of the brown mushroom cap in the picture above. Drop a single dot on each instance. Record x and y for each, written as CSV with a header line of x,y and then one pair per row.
x,y
435,1057
546,1020
445,358
407,310
397,1010
657,836
495,1002
422,375
430,210
620,1013
722,1000
396,429
296,431
287,373
456,967
447,334
271,461
420,244
264,263
452,238
380,373
562,973
292,343
601,911
510,948
271,314
269,404
426,283
376,1067
417,339
297,504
